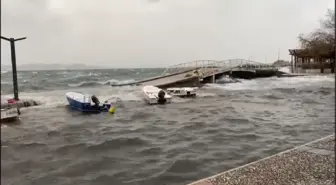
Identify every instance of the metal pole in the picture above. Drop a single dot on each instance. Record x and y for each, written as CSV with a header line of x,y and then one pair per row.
x,y
13,56
15,82
278,54
292,66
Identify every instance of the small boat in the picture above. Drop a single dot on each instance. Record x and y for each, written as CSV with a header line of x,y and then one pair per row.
x,y
9,114
155,95
87,103
182,92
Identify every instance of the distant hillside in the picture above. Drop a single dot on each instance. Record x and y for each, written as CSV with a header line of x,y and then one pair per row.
x,y
29,67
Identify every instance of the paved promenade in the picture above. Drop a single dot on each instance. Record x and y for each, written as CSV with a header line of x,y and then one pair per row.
x,y
309,164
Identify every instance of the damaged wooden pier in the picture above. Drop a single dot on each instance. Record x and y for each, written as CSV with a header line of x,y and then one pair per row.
x,y
194,74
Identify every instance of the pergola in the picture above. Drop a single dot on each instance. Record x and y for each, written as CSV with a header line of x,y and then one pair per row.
x,y
308,59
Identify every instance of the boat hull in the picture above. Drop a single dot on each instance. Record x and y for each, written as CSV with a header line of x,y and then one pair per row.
x,y
151,95
153,101
83,107
186,95
82,103
9,114
183,92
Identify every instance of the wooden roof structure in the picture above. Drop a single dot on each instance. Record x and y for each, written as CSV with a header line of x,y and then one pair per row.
x,y
312,53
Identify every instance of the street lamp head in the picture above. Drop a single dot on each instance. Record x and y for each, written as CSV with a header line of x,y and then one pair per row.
x,y
12,39
5,38
22,38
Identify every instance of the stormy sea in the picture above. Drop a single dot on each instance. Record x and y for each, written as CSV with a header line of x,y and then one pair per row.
x,y
225,126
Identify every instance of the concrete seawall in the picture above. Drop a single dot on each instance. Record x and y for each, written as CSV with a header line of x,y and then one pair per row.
x,y
311,163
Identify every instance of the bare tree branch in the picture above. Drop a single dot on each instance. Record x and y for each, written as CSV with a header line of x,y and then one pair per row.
x,y
321,41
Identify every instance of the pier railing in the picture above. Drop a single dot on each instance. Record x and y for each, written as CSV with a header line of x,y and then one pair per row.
x,y
215,64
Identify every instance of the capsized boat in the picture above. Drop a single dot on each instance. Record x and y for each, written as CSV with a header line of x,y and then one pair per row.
x,y
88,103
155,95
182,92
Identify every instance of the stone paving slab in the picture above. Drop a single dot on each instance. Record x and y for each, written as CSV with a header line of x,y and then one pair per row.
x,y
303,165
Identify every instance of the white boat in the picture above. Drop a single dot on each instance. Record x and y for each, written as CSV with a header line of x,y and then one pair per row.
x,y
9,110
9,114
182,91
155,95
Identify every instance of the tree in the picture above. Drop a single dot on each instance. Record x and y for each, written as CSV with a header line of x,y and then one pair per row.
x,y
321,41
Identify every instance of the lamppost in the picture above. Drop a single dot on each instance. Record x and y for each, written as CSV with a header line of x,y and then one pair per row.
x,y
15,83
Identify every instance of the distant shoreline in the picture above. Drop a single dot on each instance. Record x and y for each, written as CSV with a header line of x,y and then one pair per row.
x,y
81,69
59,67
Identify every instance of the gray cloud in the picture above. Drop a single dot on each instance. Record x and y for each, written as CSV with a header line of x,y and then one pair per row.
x,y
144,33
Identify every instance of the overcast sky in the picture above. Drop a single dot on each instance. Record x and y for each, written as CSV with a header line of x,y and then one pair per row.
x,y
154,33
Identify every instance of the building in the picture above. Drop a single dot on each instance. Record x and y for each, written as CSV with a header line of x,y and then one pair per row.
x,y
305,61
